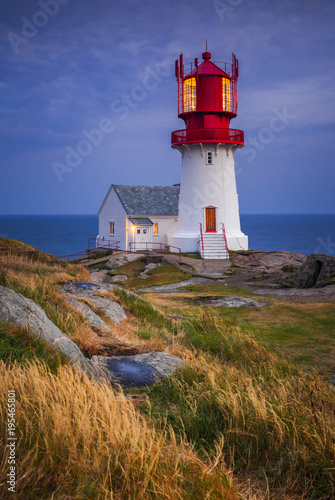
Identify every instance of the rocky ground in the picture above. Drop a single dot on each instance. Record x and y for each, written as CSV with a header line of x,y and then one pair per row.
x,y
264,272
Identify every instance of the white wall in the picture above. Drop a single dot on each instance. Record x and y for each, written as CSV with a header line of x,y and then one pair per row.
x,y
204,185
166,224
113,211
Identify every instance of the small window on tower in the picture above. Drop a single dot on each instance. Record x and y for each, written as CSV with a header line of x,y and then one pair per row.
x,y
209,157
155,227
111,227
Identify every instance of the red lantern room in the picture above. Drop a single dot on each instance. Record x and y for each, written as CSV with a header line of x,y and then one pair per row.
x,y
207,101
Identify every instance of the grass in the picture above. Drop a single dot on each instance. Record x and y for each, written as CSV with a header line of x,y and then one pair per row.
x,y
164,274
132,269
21,346
304,333
239,421
101,265
77,441
273,423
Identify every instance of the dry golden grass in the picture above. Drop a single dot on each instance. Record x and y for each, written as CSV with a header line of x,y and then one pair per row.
x,y
75,440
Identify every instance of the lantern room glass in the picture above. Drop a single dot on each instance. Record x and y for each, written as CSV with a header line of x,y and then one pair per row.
x,y
190,93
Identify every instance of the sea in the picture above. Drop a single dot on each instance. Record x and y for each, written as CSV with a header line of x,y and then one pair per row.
x,y
62,235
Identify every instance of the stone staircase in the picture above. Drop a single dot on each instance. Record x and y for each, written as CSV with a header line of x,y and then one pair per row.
x,y
214,246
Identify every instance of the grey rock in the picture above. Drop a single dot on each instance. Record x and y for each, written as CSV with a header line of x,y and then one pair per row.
x,y
151,266
317,269
119,260
88,289
139,370
86,311
112,309
85,289
118,277
19,310
233,301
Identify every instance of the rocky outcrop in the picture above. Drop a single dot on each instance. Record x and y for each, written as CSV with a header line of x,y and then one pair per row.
x,y
267,261
121,259
18,310
87,290
316,271
232,301
139,370
86,311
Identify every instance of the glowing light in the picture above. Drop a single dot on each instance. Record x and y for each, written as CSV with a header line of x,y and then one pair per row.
x,y
226,94
190,93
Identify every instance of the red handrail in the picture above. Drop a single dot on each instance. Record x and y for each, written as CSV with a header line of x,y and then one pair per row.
x,y
225,239
202,239
162,247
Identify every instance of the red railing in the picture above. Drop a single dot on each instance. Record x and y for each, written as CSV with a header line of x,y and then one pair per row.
x,y
202,239
225,239
224,135
148,246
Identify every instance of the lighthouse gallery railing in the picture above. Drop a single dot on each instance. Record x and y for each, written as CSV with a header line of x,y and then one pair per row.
x,y
225,135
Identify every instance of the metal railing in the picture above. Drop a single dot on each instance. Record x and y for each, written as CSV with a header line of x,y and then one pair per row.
x,y
149,246
105,244
93,244
225,239
202,239
224,135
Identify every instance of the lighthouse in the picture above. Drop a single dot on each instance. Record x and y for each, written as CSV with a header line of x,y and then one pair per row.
x,y
208,209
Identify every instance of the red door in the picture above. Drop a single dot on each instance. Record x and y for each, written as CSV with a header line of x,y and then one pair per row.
x,y
210,219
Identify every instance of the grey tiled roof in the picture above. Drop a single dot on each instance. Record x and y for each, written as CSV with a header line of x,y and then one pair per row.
x,y
149,200
140,222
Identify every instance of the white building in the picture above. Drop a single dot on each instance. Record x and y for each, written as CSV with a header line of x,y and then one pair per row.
x,y
139,217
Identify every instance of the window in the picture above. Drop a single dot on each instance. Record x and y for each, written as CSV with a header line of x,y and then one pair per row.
x,y
111,227
226,94
189,95
209,157
144,231
138,231
155,227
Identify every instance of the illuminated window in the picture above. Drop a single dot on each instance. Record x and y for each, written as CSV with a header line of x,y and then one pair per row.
x,y
190,99
111,227
138,231
226,94
155,227
209,157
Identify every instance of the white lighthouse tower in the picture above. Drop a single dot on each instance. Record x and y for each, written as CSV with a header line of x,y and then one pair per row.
x,y
208,213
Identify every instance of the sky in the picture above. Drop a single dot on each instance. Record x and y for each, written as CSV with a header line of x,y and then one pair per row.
x,y
89,98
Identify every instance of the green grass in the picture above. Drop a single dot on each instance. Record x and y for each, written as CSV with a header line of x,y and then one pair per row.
x,y
101,265
162,275
21,346
269,419
132,269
